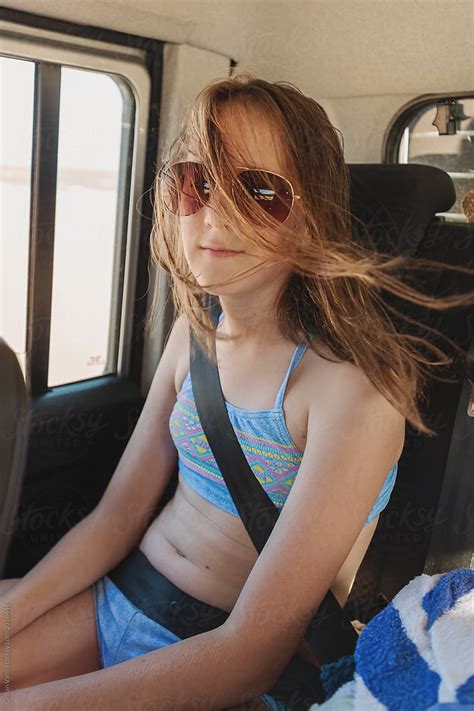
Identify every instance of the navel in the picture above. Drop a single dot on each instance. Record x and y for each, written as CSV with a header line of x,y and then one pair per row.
x,y
182,555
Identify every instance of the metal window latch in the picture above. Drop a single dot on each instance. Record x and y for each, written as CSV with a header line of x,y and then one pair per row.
x,y
448,115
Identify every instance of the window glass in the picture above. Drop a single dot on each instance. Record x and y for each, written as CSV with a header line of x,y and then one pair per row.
x,y
87,235
421,143
16,132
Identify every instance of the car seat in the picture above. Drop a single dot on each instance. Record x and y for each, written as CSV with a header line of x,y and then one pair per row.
x,y
14,427
428,524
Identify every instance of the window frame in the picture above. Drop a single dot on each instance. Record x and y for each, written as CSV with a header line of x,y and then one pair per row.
x,y
396,128
138,62
394,131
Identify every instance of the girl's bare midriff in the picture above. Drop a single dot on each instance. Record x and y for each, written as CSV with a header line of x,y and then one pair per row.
x,y
206,551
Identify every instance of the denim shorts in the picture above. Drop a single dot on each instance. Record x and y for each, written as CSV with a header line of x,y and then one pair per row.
x,y
125,632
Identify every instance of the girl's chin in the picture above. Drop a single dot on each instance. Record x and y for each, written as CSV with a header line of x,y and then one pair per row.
x,y
207,282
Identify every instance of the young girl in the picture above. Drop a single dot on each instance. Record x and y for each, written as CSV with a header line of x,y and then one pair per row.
x,y
181,613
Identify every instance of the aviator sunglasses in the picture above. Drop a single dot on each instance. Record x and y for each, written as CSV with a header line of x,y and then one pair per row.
x,y
185,188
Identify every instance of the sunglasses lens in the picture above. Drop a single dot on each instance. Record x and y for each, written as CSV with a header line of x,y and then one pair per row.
x,y
271,192
184,188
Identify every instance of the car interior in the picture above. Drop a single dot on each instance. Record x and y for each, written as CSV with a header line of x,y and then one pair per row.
x,y
394,78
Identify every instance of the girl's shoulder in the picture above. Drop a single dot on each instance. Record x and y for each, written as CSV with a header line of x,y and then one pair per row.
x,y
324,370
334,386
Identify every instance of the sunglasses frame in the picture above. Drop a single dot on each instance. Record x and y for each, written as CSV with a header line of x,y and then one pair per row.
x,y
241,169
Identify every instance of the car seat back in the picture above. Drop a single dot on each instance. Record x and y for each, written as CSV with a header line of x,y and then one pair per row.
x,y
14,426
397,205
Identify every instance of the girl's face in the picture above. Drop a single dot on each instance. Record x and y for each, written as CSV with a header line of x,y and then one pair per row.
x,y
251,143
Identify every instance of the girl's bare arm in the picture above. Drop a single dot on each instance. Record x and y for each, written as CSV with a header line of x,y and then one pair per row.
x,y
202,673
104,537
352,445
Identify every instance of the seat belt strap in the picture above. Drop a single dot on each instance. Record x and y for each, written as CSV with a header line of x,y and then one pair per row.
x,y
330,633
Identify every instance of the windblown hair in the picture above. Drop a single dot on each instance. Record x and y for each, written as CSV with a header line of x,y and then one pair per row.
x,y
334,285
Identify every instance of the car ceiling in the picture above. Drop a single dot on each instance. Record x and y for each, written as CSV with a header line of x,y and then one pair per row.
x,y
330,48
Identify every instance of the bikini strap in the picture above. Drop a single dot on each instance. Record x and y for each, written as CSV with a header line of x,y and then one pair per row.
x,y
297,356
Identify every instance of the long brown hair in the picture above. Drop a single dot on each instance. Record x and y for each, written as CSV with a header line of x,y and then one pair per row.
x,y
334,284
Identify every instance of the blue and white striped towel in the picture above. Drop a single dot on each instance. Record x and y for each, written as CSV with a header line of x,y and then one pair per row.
x,y
418,652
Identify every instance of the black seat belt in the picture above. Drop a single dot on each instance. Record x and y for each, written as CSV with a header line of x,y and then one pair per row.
x,y
330,633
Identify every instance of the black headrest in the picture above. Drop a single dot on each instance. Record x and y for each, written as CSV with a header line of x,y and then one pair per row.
x,y
397,202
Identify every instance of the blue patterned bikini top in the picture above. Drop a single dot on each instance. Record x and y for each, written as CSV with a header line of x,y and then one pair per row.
x,y
265,440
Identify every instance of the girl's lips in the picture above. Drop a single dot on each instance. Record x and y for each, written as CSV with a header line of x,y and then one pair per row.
x,y
219,252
